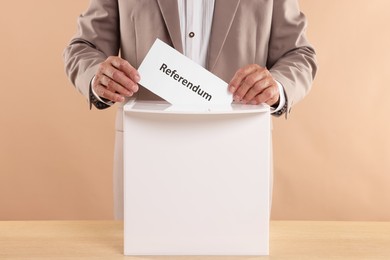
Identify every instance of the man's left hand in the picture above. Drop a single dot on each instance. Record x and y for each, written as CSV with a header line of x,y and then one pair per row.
x,y
254,85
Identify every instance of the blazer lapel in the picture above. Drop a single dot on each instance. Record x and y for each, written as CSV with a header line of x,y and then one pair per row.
x,y
224,12
170,12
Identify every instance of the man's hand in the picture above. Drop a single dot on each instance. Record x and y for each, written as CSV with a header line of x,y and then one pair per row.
x,y
116,79
254,84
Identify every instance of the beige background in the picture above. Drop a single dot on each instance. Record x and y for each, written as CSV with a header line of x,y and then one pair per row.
x,y
332,157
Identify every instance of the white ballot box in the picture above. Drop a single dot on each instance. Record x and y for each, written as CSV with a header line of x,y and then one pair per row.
x,y
196,182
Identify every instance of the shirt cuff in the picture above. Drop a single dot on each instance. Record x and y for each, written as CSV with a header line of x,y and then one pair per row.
x,y
105,101
282,98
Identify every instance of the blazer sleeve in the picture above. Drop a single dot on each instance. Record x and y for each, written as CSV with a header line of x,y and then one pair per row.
x,y
291,59
97,38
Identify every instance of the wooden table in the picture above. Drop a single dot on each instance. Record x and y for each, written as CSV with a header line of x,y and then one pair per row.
x,y
104,240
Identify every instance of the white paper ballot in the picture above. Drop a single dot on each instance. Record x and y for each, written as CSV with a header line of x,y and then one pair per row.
x,y
180,81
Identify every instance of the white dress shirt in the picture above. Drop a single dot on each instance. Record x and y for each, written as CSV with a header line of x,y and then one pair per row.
x,y
196,18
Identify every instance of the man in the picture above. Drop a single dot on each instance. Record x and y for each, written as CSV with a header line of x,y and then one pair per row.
x,y
258,46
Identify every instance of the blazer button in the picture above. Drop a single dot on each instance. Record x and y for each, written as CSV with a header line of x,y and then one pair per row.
x,y
191,34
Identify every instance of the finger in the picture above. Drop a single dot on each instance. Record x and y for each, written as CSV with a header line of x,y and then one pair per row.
x,y
240,75
120,78
101,91
269,96
126,68
255,80
114,86
257,88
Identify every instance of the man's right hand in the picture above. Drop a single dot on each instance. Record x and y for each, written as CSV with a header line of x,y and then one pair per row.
x,y
116,79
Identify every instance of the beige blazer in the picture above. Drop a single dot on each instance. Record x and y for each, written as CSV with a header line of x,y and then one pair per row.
x,y
270,33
